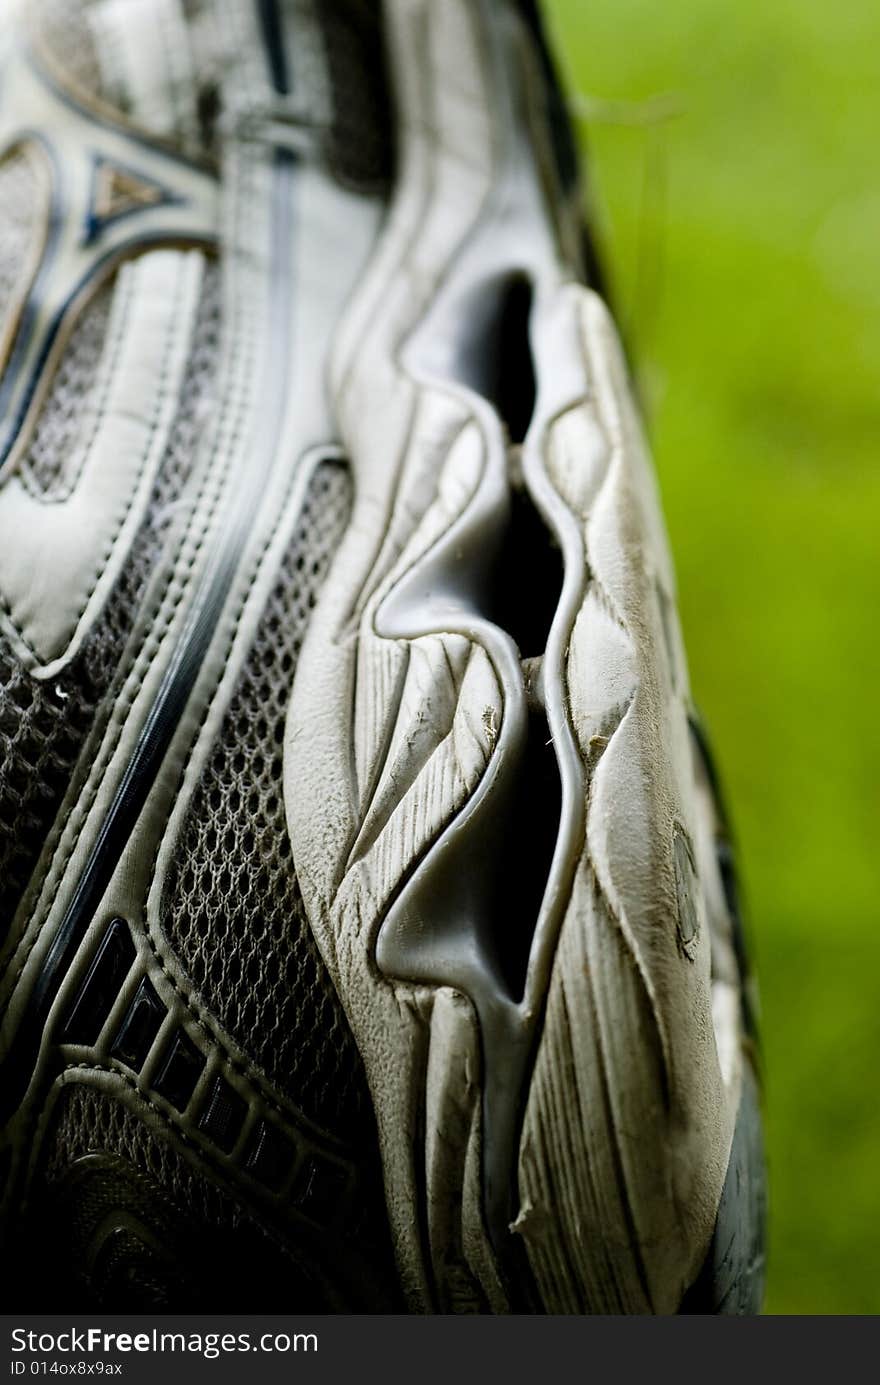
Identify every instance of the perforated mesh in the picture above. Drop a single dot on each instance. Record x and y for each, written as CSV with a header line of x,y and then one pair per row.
x,y
41,731
44,724
232,907
58,425
90,1122
179,1241
22,199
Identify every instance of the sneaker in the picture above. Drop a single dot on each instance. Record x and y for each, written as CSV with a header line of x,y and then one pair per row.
x,y
370,931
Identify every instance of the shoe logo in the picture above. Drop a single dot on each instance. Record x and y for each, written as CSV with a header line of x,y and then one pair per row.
x,y
119,192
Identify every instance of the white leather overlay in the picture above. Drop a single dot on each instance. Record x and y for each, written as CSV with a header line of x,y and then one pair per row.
x,y
59,558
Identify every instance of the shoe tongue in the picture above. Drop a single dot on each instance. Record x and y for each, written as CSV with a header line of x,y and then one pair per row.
x,y
173,66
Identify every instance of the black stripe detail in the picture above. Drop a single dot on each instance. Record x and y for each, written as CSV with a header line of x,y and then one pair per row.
x,y
272,32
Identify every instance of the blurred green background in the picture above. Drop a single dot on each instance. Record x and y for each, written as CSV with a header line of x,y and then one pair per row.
x,y
736,183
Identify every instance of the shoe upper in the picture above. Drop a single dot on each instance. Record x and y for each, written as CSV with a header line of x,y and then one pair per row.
x,y
337,620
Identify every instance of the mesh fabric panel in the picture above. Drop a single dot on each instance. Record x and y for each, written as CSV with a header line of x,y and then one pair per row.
x,y
232,908
179,1241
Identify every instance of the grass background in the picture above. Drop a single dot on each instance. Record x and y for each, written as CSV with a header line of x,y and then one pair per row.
x,y
743,238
